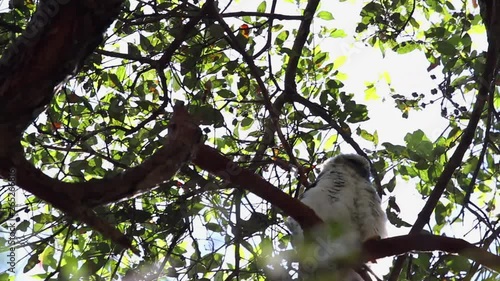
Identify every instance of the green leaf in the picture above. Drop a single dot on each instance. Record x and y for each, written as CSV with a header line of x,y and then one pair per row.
x,y
208,115
396,220
396,150
262,7
32,262
331,141
246,123
458,263
334,84
371,93
281,38
391,184
116,82
133,50
226,93
446,48
339,61
214,227
324,15
440,213
406,47
23,226
365,135
145,43
47,257
392,203
338,33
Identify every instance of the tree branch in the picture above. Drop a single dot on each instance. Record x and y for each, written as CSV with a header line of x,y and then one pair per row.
x,y
211,160
59,37
264,15
376,249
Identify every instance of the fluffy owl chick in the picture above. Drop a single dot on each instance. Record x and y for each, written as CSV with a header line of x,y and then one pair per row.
x,y
344,196
351,172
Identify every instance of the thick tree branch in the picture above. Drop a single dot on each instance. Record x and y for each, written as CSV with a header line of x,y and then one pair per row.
x,y
299,43
376,249
56,41
211,160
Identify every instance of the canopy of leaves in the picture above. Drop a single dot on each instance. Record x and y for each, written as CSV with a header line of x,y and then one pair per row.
x,y
272,98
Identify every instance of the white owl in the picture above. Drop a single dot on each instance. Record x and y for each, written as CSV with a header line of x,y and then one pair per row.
x,y
345,199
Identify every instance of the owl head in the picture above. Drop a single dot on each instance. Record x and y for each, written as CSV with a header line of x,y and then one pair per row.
x,y
356,162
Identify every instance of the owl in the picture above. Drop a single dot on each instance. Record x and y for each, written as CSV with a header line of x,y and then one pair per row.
x,y
345,199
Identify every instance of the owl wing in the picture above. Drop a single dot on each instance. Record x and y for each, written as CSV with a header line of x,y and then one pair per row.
x,y
371,217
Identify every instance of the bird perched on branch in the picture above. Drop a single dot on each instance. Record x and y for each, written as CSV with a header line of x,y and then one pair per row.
x,y
344,198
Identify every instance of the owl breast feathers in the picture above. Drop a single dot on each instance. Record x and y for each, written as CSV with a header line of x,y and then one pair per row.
x,y
343,195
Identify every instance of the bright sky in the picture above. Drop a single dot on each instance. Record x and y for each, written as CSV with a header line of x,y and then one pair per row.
x,y
364,64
